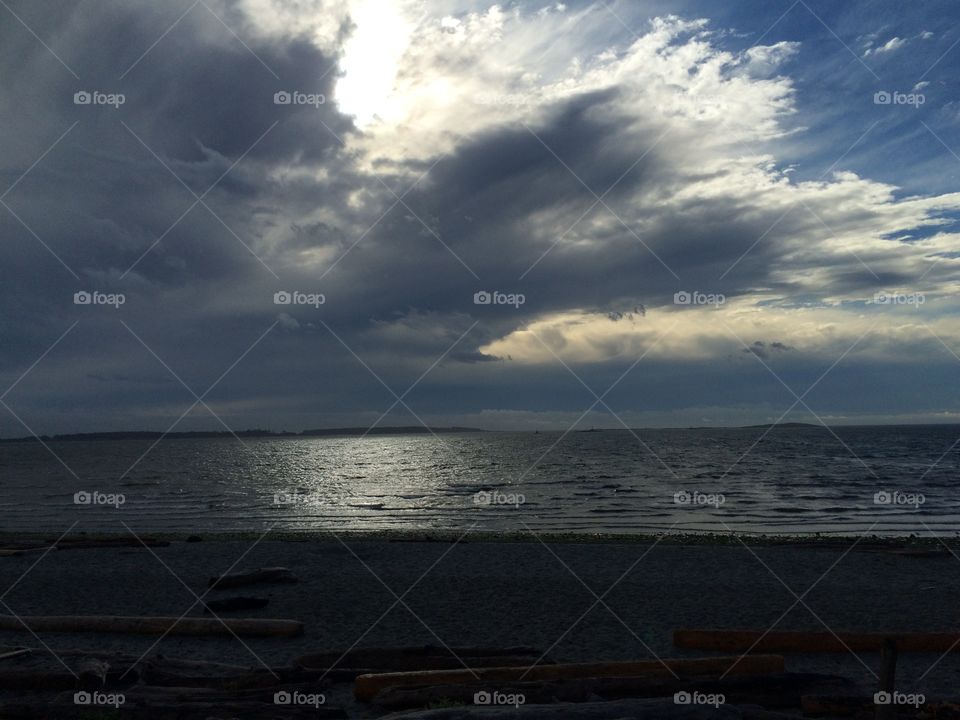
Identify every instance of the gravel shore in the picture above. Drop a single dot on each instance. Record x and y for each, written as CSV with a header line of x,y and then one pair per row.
x,y
395,593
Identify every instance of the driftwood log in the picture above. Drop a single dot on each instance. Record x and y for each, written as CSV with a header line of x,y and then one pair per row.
x,y
81,544
16,552
217,676
169,709
45,669
159,688
61,668
366,687
253,577
253,627
771,691
428,657
95,670
110,542
11,654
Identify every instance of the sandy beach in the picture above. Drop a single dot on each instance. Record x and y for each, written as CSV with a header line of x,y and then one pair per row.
x,y
361,592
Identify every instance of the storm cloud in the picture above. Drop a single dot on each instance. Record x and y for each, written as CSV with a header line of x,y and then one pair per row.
x,y
534,202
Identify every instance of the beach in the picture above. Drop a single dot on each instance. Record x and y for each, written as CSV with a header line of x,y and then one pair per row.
x,y
469,360
539,592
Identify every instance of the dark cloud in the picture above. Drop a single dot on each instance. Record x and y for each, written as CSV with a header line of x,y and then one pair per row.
x,y
291,202
764,350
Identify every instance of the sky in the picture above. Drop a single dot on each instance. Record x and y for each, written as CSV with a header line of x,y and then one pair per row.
x,y
294,214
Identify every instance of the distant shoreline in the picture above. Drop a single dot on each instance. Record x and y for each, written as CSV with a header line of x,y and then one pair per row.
x,y
412,430
456,536
202,434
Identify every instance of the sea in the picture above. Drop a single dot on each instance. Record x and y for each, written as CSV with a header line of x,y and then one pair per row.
x,y
797,480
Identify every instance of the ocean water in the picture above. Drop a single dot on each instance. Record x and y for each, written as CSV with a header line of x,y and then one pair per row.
x,y
876,480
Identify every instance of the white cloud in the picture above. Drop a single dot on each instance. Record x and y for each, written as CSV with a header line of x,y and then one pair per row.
x,y
766,60
500,68
884,333
322,21
288,322
371,55
893,44
720,115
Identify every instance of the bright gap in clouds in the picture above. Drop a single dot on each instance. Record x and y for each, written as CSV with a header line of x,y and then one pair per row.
x,y
371,58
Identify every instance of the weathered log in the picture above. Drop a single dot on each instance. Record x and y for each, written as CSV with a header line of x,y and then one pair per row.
x,y
350,672
427,657
223,677
812,642
109,542
253,627
16,551
125,669
367,686
253,577
175,710
19,652
145,694
359,656
70,670
771,691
